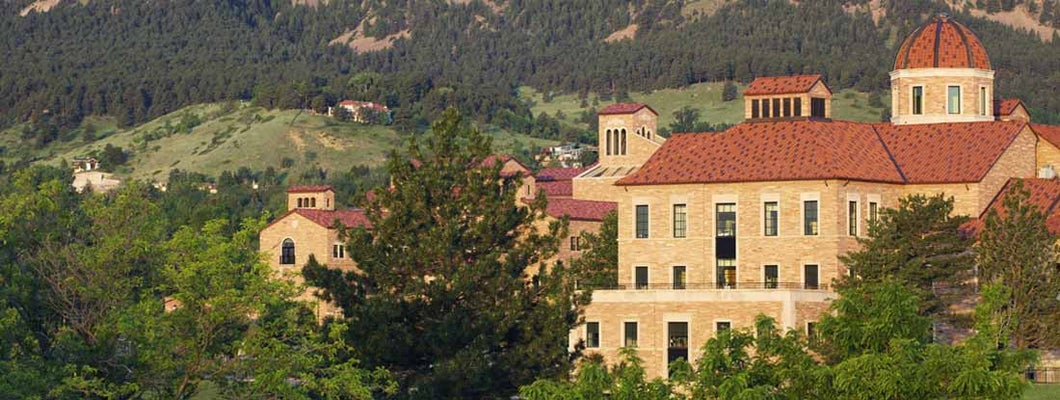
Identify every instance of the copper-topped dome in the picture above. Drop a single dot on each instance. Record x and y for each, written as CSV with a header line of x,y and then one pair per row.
x,y
942,43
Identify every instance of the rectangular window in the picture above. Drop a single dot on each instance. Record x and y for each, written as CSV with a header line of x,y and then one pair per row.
x,y
809,215
776,108
680,273
817,107
810,277
772,213
918,100
798,107
640,277
575,243
873,211
811,330
680,220
726,218
772,276
338,251
677,341
852,218
982,100
726,272
592,335
953,99
722,326
642,221
630,329
765,108
755,113
787,107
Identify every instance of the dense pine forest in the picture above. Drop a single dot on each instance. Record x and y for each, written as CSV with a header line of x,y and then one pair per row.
x,y
138,60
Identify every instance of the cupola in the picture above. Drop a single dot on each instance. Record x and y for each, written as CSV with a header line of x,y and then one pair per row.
x,y
320,197
942,74
787,97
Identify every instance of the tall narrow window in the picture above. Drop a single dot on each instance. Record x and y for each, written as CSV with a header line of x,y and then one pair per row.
x,y
787,107
918,100
953,99
755,113
798,107
623,142
642,221
680,220
982,100
809,215
640,278
338,251
313,202
873,211
771,213
811,330
608,135
771,276
726,218
300,202
287,252
677,341
817,107
592,335
679,277
630,329
765,108
852,218
776,108
810,277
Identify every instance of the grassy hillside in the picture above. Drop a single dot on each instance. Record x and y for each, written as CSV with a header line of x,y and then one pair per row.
x,y
846,104
229,136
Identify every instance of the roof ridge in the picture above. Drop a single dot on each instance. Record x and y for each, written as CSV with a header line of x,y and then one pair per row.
x,y
890,155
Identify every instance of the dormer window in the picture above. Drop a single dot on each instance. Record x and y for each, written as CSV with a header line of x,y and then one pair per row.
x,y
953,99
918,100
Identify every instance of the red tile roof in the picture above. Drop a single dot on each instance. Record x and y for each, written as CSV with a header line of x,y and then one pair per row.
x,y
1044,194
625,108
309,189
768,85
804,150
326,218
1005,107
560,174
1051,133
942,43
556,188
580,210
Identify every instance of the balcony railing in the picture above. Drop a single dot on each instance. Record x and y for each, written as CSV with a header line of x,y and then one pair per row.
x,y
710,286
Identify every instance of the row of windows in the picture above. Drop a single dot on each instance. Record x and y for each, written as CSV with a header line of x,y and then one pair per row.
x,y
338,251
726,277
725,215
307,202
786,107
953,100
616,142
677,333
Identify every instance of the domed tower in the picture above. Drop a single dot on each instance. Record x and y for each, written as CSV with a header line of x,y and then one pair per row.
x,y
942,74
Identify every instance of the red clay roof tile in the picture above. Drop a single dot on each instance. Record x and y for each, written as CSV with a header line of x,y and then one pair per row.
x,y
625,108
1044,194
309,189
556,188
1051,133
580,210
942,43
326,218
948,153
560,174
1005,107
769,85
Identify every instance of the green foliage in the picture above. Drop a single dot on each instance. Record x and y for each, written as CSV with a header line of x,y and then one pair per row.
x,y
594,381
1017,250
597,267
443,298
918,244
871,316
729,92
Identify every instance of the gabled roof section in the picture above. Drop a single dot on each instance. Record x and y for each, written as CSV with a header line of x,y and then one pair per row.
x,y
1006,107
948,153
770,151
1051,133
1044,194
580,210
309,189
326,218
553,189
625,108
772,85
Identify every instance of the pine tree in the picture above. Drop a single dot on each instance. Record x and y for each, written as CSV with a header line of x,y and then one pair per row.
x,y
1017,250
442,296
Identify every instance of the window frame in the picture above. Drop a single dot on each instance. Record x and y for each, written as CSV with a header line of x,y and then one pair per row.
x,y
641,228
983,104
718,325
625,334
338,251
287,253
718,227
853,225
592,342
766,217
766,282
916,100
755,111
811,227
637,284
683,231
683,283
950,97
575,243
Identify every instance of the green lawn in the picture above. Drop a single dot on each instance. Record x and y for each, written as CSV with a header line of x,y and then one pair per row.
x,y
1042,392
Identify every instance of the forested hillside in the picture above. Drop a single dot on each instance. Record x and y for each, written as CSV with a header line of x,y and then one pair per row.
x,y
137,60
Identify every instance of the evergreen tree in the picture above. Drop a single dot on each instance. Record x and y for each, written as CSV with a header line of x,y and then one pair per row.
x,y
919,244
729,91
442,296
1017,250
598,265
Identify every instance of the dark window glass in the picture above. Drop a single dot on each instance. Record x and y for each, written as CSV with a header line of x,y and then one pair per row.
x,y
772,275
679,277
726,217
772,213
776,109
811,330
722,326
623,142
810,277
852,218
338,251
641,278
726,272
798,107
631,334
287,252
787,107
817,107
755,113
592,334
575,243
680,220
608,135
765,108
642,221
809,222
918,100
873,210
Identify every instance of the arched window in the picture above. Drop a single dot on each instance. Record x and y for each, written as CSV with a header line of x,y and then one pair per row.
x,y
313,202
287,252
608,142
623,142
299,202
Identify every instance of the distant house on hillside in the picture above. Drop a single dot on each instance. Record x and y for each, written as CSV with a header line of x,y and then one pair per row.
x,y
565,155
96,181
84,164
365,112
